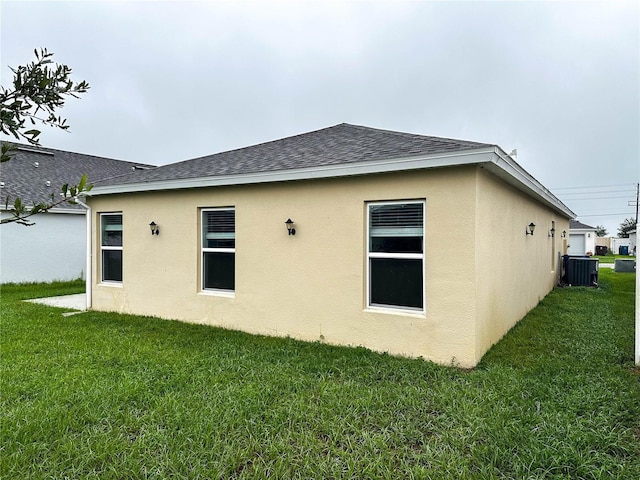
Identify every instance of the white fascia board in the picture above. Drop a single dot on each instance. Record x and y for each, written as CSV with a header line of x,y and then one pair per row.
x,y
328,171
73,211
508,169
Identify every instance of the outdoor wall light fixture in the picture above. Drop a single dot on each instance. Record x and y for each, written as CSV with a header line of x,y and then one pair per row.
x,y
289,224
530,228
552,232
155,230
564,233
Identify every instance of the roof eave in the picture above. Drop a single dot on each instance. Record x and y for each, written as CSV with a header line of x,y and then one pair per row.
x,y
58,210
508,169
467,157
492,157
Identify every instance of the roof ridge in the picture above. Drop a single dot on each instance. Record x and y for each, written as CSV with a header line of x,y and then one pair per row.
x,y
343,124
413,135
332,146
257,144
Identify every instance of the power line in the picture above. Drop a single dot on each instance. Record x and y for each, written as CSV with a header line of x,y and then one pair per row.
x,y
599,192
606,214
597,186
627,193
593,198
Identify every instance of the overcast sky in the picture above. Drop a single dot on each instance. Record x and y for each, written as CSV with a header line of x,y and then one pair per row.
x,y
559,81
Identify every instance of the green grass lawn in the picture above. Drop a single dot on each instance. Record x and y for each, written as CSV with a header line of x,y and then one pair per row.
x,y
611,258
108,396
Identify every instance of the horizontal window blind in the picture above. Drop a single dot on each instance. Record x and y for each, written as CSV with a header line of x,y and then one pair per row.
x,y
396,220
219,224
112,223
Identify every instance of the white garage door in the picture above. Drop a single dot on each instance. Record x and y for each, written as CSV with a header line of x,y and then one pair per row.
x,y
577,244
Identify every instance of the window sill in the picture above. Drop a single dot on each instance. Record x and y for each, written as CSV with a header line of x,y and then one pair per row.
x,y
218,293
110,284
396,311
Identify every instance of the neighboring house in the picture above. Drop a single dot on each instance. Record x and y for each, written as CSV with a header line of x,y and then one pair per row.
x,y
394,248
619,245
603,242
582,238
55,247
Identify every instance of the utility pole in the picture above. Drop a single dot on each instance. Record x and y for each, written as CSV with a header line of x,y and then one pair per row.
x,y
637,349
637,195
631,203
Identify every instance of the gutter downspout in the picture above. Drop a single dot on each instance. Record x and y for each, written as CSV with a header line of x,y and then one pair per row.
x,y
89,272
637,314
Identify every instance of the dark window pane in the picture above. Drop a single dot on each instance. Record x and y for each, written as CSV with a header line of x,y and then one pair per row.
x,y
396,282
112,239
220,243
219,270
112,265
396,244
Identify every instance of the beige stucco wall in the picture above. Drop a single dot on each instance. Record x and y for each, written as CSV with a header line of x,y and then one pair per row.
x,y
515,270
311,286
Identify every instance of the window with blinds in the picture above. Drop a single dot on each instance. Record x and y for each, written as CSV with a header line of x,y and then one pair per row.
x,y
111,227
218,249
395,251
111,247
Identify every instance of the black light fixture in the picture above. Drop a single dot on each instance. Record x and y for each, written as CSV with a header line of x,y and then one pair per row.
x,y
552,232
289,224
564,233
531,228
155,230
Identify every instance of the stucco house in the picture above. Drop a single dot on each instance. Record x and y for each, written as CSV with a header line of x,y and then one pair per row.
x,y
347,235
582,238
55,247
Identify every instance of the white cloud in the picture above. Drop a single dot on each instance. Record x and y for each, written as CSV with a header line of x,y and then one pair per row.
x,y
176,80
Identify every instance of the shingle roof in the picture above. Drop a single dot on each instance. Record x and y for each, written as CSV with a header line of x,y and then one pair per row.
x,y
340,144
34,173
575,224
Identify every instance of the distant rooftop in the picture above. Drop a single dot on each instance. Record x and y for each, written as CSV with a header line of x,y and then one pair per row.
x,y
34,173
575,224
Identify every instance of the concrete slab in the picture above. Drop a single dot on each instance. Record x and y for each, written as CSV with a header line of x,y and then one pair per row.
x,y
74,302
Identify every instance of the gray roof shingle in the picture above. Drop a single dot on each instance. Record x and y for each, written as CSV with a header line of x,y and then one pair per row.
x,y
34,173
575,224
340,144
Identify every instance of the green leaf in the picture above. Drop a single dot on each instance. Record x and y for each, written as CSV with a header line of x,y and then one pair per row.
x,y
82,183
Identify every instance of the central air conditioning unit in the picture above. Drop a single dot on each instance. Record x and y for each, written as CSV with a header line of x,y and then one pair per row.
x,y
579,271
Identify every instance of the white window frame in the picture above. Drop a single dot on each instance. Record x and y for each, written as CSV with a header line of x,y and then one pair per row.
x,y
203,250
400,256
110,247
